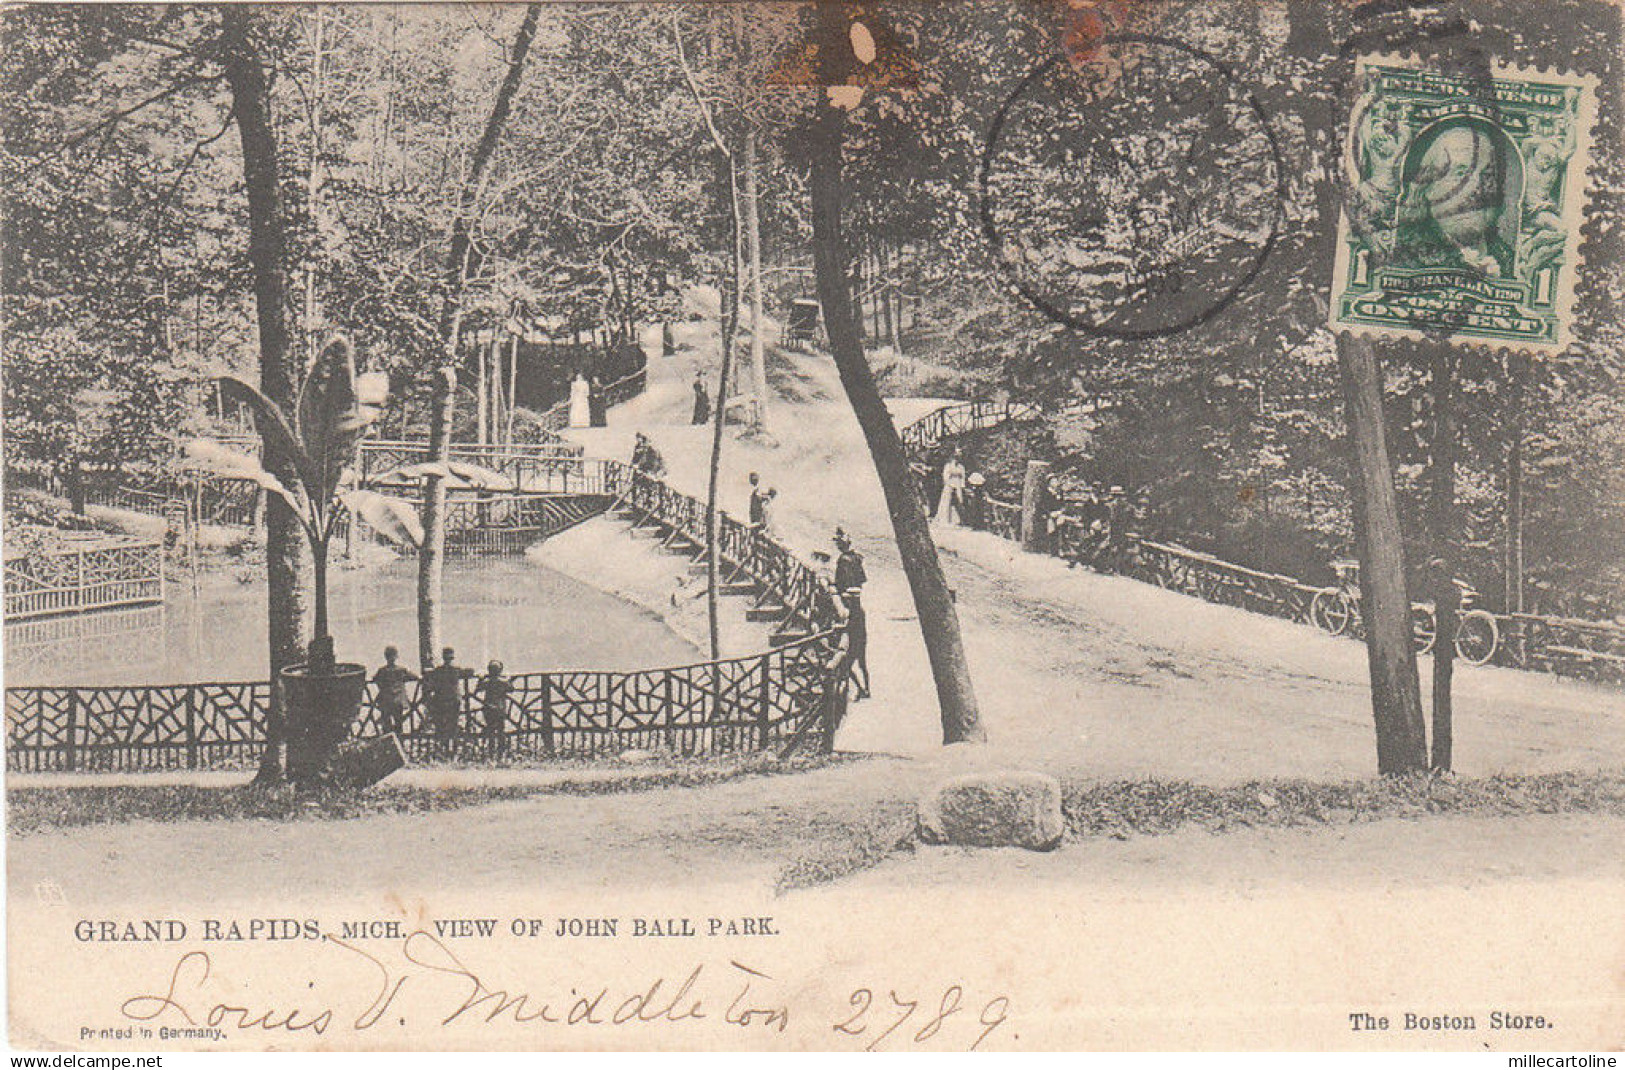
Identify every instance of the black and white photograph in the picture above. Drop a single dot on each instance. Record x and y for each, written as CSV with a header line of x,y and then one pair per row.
x,y
814,525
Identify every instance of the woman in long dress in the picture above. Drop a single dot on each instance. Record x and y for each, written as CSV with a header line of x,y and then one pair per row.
x,y
597,405
580,411
702,401
950,508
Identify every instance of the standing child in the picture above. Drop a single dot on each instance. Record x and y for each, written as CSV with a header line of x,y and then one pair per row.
x,y
493,690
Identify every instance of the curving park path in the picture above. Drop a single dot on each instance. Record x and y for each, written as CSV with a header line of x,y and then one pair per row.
x,y
1089,675
1088,672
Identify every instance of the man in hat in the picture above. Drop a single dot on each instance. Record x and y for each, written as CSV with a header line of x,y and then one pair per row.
x,y
443,696
390,697
849,574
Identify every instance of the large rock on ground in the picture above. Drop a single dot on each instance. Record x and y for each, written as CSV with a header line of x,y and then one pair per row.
x,y
1008,809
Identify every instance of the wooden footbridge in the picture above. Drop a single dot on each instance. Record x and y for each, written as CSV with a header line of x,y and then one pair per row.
x,y
548,491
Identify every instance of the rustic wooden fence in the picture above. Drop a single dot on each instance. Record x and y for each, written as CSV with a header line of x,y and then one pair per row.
x,y
510,523
935,427
774,699
1592,650
518,461
787,698
99,572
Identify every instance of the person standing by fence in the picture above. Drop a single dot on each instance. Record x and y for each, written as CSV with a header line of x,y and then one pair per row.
x,y
950,510
849,573
973,507
443,696
647,459
580,402
390,699
597,404
758,502
493,690
764,526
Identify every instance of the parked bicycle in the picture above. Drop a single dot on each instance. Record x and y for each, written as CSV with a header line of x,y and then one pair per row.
x,y
1337,609
1477,634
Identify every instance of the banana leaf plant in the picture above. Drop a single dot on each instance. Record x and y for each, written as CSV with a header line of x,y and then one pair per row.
x,y
334,409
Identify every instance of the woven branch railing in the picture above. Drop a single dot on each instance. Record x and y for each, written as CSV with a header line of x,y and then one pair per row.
x,y
789,697
92,574
930,430
1591,650
518,461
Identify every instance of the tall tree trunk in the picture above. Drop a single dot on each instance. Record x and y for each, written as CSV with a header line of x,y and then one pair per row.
x,y
482,390
1396,699
313,174
719,415
432,554
753,249
1446,595
431,565
284,539
894,304
513,390
939,623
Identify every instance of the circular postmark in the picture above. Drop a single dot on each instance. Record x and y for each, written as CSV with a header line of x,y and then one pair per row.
x,y
1134,195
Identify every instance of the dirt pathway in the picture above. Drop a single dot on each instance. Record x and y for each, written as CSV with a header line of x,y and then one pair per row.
x,y
1081,671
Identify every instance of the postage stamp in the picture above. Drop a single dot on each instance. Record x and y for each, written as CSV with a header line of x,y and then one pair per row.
x,y
1466,198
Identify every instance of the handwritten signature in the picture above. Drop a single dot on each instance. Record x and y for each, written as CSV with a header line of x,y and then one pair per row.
x,y
441,980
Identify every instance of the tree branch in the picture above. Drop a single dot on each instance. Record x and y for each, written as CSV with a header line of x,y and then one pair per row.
x,y
694,88
108,124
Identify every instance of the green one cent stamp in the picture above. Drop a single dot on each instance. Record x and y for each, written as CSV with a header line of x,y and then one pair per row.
x,y
1465,202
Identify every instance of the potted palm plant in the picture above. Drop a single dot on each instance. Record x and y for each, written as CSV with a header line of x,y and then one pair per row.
x,y
322,696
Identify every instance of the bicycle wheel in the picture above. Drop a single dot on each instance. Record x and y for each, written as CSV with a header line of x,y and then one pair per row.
x,y
1330,611
1424,629
1476,637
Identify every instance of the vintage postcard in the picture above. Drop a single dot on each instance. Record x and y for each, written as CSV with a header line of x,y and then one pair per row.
x,y
845,525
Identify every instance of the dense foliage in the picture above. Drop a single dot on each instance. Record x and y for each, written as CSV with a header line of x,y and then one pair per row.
x,y
126,289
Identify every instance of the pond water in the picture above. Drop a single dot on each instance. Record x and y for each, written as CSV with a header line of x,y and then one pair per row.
x,y
521,613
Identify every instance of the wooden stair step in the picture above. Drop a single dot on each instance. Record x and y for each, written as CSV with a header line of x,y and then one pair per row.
x,y
768,613
746,587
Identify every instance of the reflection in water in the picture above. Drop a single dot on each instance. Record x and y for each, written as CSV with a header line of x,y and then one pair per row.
x,y
518,612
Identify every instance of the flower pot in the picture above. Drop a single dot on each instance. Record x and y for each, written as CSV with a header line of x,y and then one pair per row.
x,y
321,709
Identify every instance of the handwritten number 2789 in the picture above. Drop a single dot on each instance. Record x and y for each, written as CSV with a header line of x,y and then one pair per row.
x,y
862,1001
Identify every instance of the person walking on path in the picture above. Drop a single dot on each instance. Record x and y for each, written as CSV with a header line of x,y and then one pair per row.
x,y
493,690
443,696
849,574
951,509
857,642
647,459
758,502
597,407
702,401
390,697
765,526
